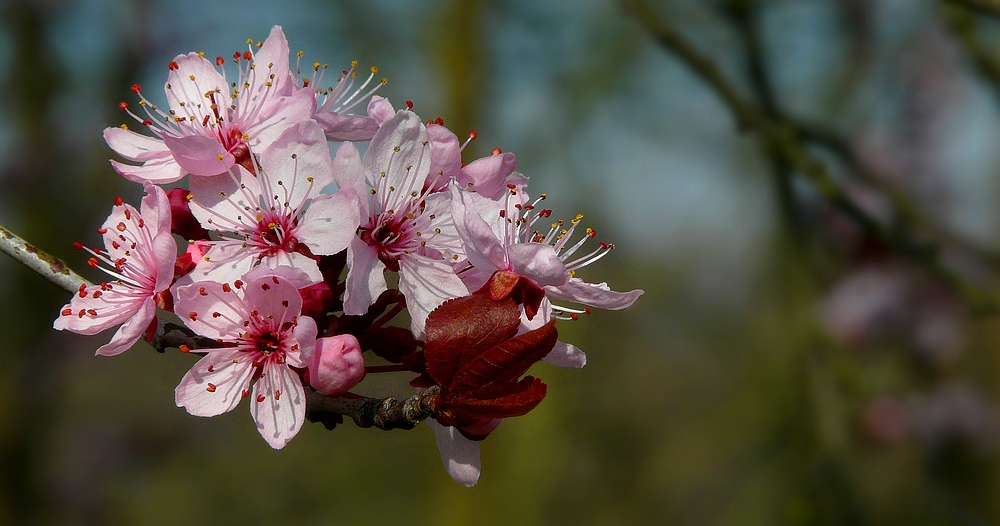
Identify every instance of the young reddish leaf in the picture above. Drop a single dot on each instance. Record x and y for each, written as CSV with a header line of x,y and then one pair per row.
x,y
480,429
502,400
508,360
462,328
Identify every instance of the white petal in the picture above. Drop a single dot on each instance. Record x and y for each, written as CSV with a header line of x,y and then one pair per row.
x,y
459,455
593,294
330,223
228,372
278,405
365,279
426,283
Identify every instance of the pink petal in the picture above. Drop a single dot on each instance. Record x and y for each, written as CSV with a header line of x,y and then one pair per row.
x,y
192,91
282,407
330,223
277,115
405,169
380,109
446,156
459,455
155,210
365,278
225,262
215,384
487,176
200,155
304,333
426,283
566,355
113,307
539,262
593,294
272,58
209,310
299,153
349,173
131,330
297,260
220,195
273,298
134,146
158,171
345,127
482,246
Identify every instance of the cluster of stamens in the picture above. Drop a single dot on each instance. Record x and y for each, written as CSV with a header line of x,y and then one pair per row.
x,y
266,222
130,270
264,336
343,95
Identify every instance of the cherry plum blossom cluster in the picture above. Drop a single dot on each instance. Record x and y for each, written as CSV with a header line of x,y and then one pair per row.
x,y
286,263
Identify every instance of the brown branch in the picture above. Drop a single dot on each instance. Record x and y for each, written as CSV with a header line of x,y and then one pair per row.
x,y
383,413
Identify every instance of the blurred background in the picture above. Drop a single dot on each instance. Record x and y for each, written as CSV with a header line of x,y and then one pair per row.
x,y
806,189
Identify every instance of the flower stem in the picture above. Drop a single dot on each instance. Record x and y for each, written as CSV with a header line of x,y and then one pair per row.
x,y
52,268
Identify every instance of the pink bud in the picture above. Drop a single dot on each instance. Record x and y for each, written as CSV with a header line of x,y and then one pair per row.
x,y
337,364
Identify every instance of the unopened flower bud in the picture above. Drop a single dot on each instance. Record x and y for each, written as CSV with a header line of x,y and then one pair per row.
x,y
337,364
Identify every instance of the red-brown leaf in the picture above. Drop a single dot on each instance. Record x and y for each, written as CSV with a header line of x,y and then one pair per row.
x,y
462,328
502,400
506,361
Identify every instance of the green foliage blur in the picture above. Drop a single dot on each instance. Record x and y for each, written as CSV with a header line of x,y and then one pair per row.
x,y
786,365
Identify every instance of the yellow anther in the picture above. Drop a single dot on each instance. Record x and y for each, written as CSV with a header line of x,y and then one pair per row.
x,y
543,196
385,81
589,230
310,179
221,157
572,273
354,73
260,217
579,217
354,63
316,65
124,126
201,54
374,69
189,197
191,77
555,225
249,41
268,84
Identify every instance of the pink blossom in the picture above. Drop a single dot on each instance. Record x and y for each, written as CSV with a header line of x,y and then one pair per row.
x,y
333,103
337,364
278,216
404,227
488,176
139,255
211,124
264,336
503,236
